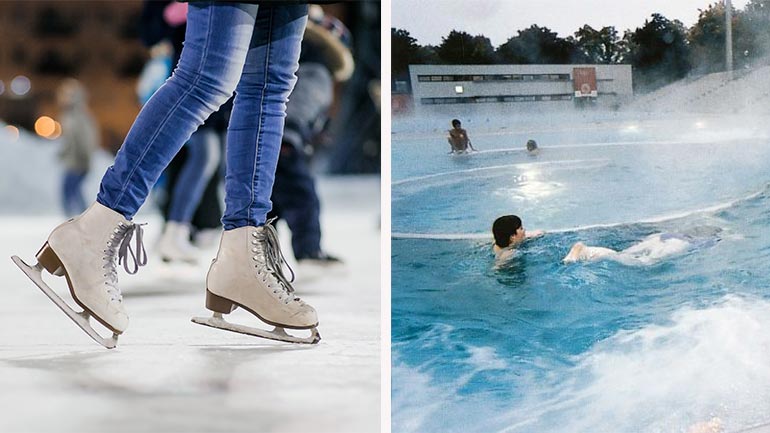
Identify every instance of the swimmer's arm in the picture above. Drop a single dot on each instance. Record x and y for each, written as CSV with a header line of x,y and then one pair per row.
x,y
534,234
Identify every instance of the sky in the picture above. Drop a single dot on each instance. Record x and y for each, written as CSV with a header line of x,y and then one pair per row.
x,y
430,20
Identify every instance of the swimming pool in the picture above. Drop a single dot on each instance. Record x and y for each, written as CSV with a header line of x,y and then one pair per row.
x,y
540,346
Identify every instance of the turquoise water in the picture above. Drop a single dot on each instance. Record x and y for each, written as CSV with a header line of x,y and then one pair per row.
x,y
540,346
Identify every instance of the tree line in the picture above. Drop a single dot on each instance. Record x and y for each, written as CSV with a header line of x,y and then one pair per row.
x,y
660,51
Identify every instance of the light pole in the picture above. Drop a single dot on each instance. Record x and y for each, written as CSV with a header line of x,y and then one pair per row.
x,y
729,39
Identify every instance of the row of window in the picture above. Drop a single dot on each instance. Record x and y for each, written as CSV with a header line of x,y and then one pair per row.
x,y
498,98
494,77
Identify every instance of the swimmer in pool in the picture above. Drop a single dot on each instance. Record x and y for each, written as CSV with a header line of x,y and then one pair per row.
x,y
509,233
532,149
650,249
458,138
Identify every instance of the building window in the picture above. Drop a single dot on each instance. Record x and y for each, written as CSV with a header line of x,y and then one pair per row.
x,y
494,98
494,77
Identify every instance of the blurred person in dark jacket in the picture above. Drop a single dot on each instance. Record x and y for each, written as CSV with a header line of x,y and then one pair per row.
x,y
326,58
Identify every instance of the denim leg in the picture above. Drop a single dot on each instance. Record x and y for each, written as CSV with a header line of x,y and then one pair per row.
x,y
216,44
259,110
296,201
201,163
72,196
66,188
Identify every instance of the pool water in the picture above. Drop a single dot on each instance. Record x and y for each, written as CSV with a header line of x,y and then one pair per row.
x,y
541,346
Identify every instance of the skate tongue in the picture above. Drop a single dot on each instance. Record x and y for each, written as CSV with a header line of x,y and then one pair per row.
x,y
140,258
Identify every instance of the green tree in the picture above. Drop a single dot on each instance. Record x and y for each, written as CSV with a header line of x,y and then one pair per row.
x,y
707,39
756,22
599,46
460,48
538,45
658,52
404,51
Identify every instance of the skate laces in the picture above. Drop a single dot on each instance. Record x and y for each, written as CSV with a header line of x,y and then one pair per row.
x,y
118,251
140,258
274,258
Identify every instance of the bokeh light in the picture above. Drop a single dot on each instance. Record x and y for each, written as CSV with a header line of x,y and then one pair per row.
x,y
56,131
45,126
12,131
20,85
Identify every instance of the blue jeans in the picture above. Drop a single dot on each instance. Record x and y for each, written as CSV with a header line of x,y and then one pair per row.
x,y
72,196
296,202
201,164
251,50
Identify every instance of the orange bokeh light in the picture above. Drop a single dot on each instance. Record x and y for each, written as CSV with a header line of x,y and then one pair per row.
x,y
45,126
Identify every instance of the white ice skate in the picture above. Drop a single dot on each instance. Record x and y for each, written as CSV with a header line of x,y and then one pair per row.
x,y
320,265
248,273
175,245
73,250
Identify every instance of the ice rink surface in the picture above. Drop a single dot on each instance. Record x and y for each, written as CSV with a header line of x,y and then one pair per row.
x,y
170,375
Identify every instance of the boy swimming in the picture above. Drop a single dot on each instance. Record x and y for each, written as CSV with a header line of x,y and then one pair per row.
x,y
509,233
650,249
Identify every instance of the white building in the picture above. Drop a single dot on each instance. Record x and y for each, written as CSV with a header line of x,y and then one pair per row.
x,y
442,88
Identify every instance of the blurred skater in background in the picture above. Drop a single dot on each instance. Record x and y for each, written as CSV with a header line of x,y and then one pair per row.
x,y
326,58
80,138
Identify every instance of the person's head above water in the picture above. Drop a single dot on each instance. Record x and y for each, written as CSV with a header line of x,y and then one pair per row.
x,y
508,230
531,145
456,123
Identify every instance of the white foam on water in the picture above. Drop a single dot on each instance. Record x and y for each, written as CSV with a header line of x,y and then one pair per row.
x,y
420,403
415,398
703,363
666,377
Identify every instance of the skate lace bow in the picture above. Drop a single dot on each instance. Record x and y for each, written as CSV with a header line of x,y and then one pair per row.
x,y
274,258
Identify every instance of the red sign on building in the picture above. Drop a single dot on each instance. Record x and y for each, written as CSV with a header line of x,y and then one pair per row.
x,y
584,82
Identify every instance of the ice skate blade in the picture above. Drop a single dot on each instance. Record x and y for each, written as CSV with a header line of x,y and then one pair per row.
x,y
277,334
80,318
